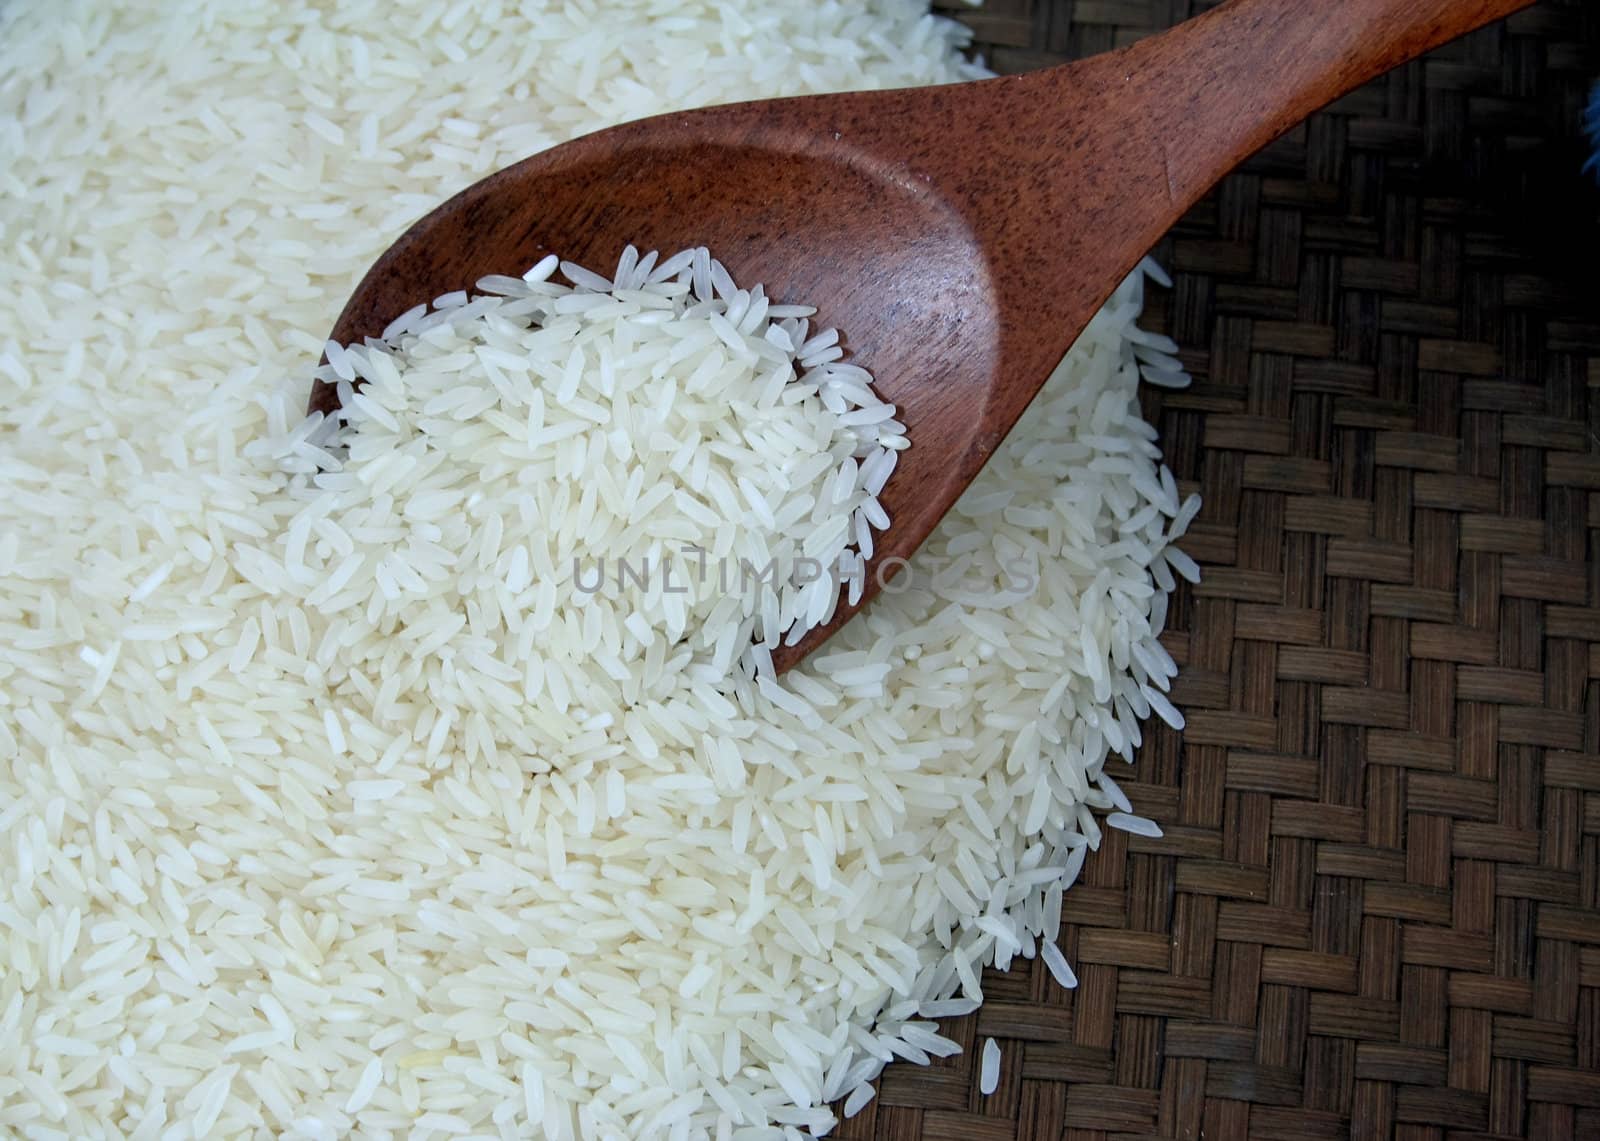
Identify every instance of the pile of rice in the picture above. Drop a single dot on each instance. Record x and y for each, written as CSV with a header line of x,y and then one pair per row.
x,y
320,814
659,467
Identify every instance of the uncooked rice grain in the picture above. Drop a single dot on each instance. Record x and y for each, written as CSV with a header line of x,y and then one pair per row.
x,y
637,567
347,823
989,1067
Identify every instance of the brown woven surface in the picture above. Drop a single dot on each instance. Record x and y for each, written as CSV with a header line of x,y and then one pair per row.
x,y
1375,911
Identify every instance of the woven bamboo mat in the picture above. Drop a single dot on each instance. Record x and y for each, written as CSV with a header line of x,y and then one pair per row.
x,y
1376,910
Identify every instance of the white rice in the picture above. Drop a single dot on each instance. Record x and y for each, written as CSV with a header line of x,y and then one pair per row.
x,y
1057,964
345,822
989,1067
683,443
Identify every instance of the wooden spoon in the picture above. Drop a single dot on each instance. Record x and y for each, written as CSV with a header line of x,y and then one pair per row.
x,y
960,237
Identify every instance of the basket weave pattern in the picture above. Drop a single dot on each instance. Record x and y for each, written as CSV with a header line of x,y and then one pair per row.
x,y
1376,909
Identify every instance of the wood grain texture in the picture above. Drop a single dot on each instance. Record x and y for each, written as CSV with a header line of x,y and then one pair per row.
x,y
1377,926
960,236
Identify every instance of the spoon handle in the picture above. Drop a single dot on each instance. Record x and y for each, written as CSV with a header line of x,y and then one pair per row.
x,y
1206,95
1243,74
1077,170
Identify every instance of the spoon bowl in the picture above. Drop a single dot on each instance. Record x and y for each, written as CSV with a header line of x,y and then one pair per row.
x,y
959,237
